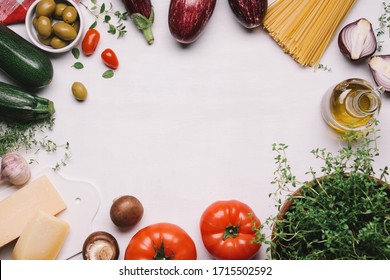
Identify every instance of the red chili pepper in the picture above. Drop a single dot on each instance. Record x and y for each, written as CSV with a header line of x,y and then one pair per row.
x,y
90,41
110,59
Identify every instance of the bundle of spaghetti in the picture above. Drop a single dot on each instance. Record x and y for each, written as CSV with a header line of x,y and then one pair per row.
x,y
305,28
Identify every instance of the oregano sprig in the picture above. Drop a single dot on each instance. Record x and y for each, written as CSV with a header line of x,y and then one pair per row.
x,y
384,24
32,136
105,13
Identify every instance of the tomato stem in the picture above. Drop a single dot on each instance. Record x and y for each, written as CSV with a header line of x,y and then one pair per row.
x,y
162,253
231,231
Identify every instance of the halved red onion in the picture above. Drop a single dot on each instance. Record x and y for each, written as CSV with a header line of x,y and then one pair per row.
x,y
380,68
357,40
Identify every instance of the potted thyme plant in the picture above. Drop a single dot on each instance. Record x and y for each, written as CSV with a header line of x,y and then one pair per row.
x,y
342,214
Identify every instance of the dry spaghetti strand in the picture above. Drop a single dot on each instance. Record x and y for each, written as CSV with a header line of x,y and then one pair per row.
x,y
304,28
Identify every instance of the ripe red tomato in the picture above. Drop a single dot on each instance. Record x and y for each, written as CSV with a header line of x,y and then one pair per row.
x,y
227,232
162,241
90,41
110,59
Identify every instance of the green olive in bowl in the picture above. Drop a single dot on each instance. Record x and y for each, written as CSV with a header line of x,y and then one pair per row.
x,y
58,43
44,28
64,31
67,25
60,7
69,15
45,8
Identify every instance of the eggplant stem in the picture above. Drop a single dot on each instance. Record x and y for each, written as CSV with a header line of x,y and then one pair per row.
x,y
148,34
145,25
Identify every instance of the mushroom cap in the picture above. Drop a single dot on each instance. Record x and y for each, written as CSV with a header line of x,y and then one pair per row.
x,y
100,245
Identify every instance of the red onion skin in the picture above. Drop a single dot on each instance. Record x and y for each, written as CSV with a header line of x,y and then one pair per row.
x,y
376,75
188,18
142,7
343,48
249,13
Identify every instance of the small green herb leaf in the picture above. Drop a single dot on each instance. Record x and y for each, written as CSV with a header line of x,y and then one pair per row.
x,y
108,74
76,53
111,29
78,65
93,25
102,8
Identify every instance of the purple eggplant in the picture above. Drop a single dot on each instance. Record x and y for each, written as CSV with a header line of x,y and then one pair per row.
x,y
249,13
188,18
142,14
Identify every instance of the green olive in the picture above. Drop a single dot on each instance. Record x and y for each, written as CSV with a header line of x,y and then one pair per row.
x,y
60,7
58,43
69,15
64,31
44,26
45,8
35,22
45,41
79,91
76,26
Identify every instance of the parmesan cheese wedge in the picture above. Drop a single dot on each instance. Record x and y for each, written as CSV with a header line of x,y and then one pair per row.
x,y
42,239
20,207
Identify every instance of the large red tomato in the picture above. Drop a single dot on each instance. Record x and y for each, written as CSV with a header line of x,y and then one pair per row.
x,y
227,230
162,241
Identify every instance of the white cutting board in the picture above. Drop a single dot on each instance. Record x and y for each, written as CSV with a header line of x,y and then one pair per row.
x,y
82,200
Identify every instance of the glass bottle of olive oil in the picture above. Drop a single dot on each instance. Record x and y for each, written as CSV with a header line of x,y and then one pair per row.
x,y
352,105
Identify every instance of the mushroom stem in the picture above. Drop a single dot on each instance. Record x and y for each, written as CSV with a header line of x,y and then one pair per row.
x,y
105,253
100,245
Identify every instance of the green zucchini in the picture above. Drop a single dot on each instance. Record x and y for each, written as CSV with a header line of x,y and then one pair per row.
x,y
16,104
22,61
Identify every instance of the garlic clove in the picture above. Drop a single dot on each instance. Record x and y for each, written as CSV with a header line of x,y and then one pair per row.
x,y
357,40
15,169
380,69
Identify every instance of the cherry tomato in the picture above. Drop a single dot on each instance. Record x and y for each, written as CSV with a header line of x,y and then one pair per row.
x,y
90,41
162,241
110,59
227,230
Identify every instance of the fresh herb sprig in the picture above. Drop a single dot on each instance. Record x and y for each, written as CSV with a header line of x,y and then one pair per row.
x,y
105,13
384,24
343,213
32,136
324,67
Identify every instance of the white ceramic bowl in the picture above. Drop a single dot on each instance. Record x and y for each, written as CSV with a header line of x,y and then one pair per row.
x,y
32,33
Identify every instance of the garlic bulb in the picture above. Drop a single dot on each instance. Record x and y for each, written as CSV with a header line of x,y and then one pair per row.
x,y
15,169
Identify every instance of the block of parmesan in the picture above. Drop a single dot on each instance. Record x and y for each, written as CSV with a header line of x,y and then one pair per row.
x,y
41,239
18,209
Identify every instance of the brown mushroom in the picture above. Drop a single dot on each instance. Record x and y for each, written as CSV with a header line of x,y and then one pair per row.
x,y
100,245
126,211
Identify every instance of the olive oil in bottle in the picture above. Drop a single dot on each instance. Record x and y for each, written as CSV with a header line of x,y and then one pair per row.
x,y
351,105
